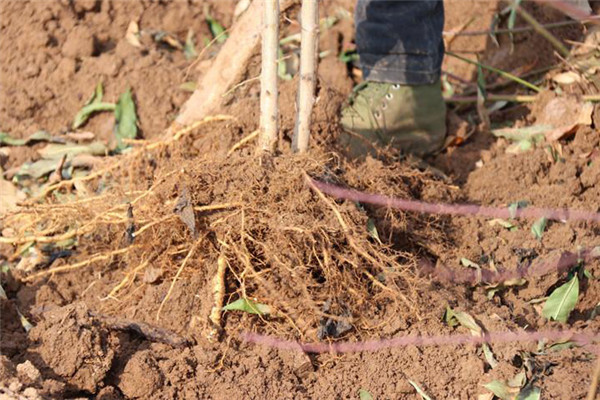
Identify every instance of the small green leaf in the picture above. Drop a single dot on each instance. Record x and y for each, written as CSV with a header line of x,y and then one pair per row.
x,y
501,390
558,346
56,151
463,319
518,381
513,207
364,395
189,48
189,86
534,133
465,262
24,322
36,169
92,105
562,301
348,56
489,356
216,29
538,228
282,71
372,229
39,136
249,306
521,146
126,120
421,392
6,139
3,293
83,114
491,290
503,223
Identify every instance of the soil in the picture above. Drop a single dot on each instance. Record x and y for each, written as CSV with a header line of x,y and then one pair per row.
x,y
118,328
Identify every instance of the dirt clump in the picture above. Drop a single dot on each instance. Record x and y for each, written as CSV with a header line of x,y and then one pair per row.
x,y
141,376
66,343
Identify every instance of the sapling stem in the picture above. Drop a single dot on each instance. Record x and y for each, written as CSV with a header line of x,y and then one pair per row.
x,y
309,19
269,112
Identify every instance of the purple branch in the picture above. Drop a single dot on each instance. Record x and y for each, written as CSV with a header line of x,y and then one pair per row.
x,y
581,338
455,209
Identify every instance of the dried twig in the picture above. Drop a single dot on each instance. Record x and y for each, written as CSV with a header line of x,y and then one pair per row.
x,y
149,332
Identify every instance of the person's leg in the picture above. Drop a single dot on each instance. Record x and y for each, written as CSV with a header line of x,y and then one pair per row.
x,y
400,41
401,50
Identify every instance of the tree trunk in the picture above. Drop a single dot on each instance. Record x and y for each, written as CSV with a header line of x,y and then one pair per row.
x,y
269,111
309,20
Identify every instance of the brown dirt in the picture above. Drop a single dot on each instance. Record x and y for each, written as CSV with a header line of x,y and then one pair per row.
x,y
285,245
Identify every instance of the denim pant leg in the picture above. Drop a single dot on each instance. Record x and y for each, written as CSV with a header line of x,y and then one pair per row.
x,y
400,41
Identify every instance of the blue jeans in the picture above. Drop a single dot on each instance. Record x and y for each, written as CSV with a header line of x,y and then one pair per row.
x,y
400,41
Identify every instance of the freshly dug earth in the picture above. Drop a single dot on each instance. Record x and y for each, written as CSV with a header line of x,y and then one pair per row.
x,y
119,327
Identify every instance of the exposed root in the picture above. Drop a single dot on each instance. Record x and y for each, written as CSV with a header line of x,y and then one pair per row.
x,y
128,279
281,242
71,267
242,142
179,271
177,135
218,298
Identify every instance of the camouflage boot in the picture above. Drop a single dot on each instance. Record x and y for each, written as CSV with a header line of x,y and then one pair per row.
x,y
411,119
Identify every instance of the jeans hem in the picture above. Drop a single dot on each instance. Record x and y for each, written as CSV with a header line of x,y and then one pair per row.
x,y
401,76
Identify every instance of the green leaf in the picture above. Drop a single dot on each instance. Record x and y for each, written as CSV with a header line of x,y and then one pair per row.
x,y
348,56
503,223
282,71
463,319
216,29
465,262
6,139
539,227
24,322
249,306
501,390
558,346
364,395
39,136
518,380
372,229
562,301
529,393
489,356
491,290
56,151
421,392
513,207
36,169
534,133
189,48
92,105
189,86
521,146
126,120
